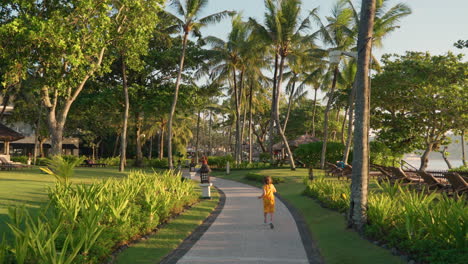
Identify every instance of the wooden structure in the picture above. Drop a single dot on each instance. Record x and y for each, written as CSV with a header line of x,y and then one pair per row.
x,y
8,135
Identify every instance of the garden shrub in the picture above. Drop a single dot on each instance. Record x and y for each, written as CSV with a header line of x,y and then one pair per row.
x,y
431,228
22,159
158,163
84,223
382,155
259,178
310,154
111,161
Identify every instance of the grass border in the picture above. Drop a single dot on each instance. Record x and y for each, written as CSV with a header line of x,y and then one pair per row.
x,y
190,241
308,241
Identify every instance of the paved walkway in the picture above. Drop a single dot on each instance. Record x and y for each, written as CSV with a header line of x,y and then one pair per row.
x,y
238,234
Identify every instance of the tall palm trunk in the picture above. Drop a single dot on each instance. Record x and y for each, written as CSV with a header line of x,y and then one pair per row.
x,y
350,123
280,129
463,147
314,111
238,126
325,121
357,218
139,143
343,125
198,136
273,105
250,122
174,102
290,103
150,148
210,124
123,140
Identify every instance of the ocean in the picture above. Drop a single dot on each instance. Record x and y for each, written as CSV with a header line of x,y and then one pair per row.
x,y
434,164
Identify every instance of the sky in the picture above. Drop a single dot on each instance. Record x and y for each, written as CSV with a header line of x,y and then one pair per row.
x,y
433,26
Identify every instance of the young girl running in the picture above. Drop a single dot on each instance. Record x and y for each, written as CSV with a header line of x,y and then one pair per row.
x,y
268,199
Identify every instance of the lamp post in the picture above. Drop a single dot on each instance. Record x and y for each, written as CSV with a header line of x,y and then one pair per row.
x,y
205,183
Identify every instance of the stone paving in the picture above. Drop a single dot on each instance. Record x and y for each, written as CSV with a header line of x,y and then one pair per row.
x,y
238,235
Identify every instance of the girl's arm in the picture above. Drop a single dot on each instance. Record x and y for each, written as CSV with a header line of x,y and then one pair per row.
x,y
263,194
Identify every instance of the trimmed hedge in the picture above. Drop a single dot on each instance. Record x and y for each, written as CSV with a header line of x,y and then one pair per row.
x,y
259,178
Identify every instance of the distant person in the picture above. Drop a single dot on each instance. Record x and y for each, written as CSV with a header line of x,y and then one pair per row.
x,y
268,200
340,164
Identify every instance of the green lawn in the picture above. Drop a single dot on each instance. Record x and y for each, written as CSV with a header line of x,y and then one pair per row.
x,y
336,243
157,246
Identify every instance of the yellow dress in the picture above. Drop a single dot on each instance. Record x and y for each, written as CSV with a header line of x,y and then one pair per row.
x,y
269,198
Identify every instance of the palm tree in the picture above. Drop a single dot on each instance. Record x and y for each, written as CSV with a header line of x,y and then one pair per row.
x,y
339,35
283,31
385,22
358,207
188,22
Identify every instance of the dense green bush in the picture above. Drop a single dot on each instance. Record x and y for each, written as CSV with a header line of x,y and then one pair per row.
x,y
461,168
382,155
259,178
265,157
310,154
83,223
432,228
220,161
157,163
111,161
22,159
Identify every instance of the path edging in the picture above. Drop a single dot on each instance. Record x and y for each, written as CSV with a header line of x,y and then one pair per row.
x,y
312,251
188,242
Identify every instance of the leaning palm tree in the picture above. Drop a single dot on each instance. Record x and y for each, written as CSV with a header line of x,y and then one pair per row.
x,y
283,31
188,22
338,34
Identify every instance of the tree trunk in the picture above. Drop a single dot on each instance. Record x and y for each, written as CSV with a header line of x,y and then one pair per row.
x,y
463,147
139,144
350,123
280,129
56,137
209,133
174,102
198,137
161,144
314,111
250,122
116,144
273,105
357,218
425,156
343,125
41,147
237,148
150,149
444,156
325,121
290,103
123,140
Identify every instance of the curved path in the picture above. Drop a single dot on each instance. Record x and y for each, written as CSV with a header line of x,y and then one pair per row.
x,y
238,234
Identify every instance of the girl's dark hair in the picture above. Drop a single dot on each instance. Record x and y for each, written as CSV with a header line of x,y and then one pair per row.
x,y
267,180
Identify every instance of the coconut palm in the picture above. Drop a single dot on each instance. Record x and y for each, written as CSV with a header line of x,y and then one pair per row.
x,y
338,34
283,30
386,20
188,22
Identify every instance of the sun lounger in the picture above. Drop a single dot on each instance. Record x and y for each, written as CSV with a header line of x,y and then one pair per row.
x,y
459,185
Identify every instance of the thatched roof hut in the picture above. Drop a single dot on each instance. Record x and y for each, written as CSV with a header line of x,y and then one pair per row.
x,y
304,139
8,134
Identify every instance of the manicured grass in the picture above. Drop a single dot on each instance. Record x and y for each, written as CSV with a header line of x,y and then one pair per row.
x,y
168,238
336,243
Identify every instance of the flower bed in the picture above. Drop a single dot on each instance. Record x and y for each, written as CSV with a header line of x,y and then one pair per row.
x,y
431,228
85,223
